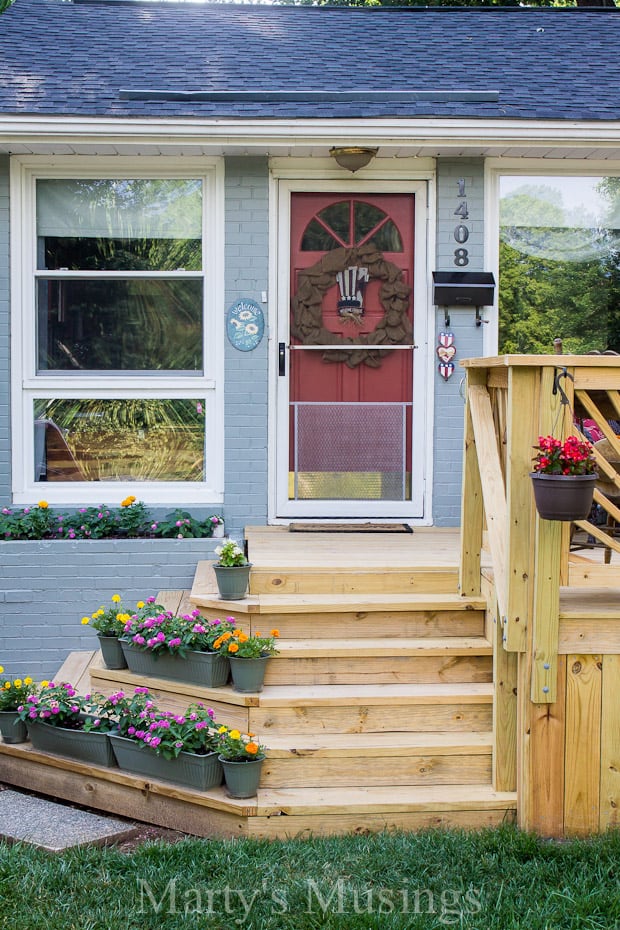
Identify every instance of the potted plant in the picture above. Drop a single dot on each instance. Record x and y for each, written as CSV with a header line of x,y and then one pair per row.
x,y
13,694
179,648
110,623
248,656
242,759
62,721
232,571
563,478
177,747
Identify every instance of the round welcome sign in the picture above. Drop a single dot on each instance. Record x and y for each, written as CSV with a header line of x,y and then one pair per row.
x,y
245,325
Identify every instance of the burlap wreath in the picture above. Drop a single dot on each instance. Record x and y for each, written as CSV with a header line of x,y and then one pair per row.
x,y
307,306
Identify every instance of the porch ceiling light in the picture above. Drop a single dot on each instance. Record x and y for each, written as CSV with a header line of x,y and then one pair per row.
x,y
352,158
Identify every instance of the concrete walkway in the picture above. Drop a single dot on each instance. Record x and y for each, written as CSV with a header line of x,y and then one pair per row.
x,y
55,827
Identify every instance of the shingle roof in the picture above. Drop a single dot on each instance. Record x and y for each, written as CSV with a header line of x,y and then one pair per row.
x,y
77,58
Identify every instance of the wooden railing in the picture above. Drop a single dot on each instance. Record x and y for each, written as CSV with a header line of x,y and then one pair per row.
x,y
511,401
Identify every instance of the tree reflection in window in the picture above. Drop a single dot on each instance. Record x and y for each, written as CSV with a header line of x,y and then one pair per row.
x,y
349,223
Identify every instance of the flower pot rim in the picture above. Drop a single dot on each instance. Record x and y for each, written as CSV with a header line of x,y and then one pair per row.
x,y
540,475
245,565
259,758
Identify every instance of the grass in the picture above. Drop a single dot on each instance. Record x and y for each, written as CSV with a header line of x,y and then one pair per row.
x,y
497,878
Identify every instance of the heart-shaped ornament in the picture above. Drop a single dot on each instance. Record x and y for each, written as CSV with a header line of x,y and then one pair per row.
x,y
446,353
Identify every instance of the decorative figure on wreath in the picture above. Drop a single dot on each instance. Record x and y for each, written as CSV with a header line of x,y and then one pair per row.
x,y
352,269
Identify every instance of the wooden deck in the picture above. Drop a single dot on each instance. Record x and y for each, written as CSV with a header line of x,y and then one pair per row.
x,y
378,712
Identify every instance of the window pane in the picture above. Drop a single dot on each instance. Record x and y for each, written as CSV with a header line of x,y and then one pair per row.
x,y
135,325
387,238
74,254
559,264
119,440
338,217
317,239
128,225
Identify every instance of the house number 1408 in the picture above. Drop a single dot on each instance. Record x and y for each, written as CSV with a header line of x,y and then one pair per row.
x,y
461,232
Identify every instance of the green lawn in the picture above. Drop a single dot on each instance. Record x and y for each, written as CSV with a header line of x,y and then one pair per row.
x,y
502,879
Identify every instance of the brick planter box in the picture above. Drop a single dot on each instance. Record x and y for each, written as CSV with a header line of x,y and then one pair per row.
x,y
47,587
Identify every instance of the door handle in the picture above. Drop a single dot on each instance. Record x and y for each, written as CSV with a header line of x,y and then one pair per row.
x,y
281,359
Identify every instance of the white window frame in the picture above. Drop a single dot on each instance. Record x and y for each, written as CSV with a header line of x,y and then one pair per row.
x,y
494,169
27,385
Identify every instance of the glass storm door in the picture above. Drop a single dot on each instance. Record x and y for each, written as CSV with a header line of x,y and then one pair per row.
x,y
347,368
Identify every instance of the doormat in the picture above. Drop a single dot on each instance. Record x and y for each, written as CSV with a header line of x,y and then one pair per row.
x,y
350,528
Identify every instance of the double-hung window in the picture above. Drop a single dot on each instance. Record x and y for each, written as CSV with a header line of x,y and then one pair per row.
x,y
116,376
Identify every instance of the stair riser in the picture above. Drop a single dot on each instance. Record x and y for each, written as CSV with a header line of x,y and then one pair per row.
x,y
391,581
377,718
331,670
316,772
304,825
166,698
365,624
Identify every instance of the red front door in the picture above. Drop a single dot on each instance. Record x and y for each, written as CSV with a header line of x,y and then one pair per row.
x,y
350,400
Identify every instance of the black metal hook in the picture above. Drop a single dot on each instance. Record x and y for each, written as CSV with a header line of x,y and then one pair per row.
x,y
557,387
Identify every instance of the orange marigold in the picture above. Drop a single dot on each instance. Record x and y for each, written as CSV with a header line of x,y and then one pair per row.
x,y
275,633
243,637
233,647
251,748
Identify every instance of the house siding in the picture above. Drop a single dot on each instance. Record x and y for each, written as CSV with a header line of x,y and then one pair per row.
x,y
246,385
5,431
47,587
448,414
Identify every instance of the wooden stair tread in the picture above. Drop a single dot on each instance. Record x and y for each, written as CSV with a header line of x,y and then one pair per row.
x,y
431,646
204,594
444,693
213,797
296,801
338,745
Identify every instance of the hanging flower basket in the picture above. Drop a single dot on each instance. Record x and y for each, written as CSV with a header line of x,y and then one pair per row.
x,y
563,479
563,497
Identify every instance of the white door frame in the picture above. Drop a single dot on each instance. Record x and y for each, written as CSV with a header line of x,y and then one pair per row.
x,y
289,176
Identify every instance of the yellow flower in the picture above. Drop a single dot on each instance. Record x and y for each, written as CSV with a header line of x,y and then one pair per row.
x,y
85,620
222,729
100,612
28,680
7,685
234,734
17,682
44,684
120,617
1,669
140,605
43,505
116,598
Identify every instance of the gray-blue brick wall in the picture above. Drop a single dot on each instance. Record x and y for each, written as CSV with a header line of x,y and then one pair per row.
x,y
246,385
47,587
448,423
5,446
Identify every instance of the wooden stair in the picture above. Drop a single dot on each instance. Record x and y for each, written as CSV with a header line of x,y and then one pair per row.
x,y
377,713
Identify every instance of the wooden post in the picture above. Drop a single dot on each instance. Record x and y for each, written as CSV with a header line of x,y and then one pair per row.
x,y
521,434
547,565
610,744
583,744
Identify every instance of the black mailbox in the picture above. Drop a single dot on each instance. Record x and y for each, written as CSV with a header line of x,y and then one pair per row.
x,y
463,288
